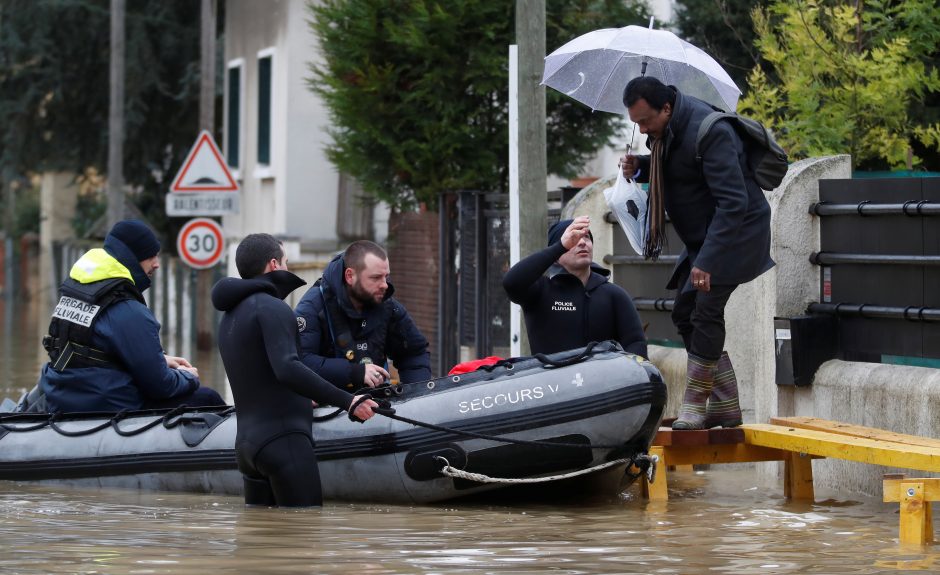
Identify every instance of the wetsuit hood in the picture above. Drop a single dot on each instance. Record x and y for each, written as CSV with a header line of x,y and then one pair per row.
x,y
229,292
333,276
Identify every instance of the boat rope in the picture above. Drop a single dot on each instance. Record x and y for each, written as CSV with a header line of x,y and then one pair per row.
x,y
644,463
170,419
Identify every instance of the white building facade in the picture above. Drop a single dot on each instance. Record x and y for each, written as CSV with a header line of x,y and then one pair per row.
x,y
275,128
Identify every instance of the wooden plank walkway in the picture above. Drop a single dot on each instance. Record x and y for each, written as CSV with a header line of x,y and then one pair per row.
x,y
852,430
798,440
848,442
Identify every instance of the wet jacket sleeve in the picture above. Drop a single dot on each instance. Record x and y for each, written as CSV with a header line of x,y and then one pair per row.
x,y
279,332
336,370
135,337
630,332
520,282
407,347
725,180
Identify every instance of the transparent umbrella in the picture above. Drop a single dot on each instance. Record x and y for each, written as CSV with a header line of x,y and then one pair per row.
x,y
594,68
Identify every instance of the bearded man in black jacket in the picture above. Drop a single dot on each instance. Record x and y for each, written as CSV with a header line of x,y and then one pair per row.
x,y
568,301
258,339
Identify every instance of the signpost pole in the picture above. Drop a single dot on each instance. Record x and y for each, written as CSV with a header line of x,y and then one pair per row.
x,y
204,186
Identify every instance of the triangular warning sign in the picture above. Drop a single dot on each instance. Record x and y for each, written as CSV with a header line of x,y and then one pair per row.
x,y
204,169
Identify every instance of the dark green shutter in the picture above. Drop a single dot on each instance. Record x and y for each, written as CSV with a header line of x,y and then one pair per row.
x,y
234,117
264,110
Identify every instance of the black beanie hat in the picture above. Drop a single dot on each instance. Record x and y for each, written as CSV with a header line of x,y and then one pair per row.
x,y
558,229
137,237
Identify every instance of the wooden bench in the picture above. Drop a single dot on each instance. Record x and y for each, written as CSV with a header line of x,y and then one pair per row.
x,y
796,441
710,446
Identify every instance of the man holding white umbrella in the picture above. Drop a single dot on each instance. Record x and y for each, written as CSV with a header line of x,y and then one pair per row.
x,y
718,210
723,220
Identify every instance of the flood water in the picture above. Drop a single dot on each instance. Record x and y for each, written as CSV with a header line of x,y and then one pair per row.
x,y
720,520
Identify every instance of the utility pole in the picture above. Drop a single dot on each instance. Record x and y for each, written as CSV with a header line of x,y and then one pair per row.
x,y
533,217
207,66
205,316
116,117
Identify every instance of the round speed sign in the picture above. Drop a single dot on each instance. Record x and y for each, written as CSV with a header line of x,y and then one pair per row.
x,y
200,243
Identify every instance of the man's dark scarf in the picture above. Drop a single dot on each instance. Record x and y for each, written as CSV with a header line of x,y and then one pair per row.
x,y
655,210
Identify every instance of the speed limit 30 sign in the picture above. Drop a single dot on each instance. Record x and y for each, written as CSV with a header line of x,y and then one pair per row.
x,y
200,243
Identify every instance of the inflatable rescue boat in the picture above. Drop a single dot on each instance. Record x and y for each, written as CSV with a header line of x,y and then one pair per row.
x,y
521,419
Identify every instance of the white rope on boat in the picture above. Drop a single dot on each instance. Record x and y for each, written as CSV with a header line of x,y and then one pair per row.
x,y
451,471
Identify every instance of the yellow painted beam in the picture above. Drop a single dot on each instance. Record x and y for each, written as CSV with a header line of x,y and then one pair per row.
x,y
656,491
798,477
916,513
914,510
721,453
850,429
892,488
846,447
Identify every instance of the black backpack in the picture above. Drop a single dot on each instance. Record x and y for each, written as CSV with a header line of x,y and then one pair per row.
x,y
768,161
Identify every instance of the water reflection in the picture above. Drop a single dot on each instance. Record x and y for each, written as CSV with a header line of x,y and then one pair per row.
x,y
20,346
729,529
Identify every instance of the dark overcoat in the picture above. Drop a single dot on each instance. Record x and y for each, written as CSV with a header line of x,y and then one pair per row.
x,y
716,207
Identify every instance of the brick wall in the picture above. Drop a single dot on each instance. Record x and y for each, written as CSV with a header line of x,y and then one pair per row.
x,y
413,252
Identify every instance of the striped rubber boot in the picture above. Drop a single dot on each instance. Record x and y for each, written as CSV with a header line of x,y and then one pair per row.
x,y
700,375
723,407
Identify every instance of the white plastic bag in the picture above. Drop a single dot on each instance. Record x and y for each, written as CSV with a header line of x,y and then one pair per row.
x,y
627,200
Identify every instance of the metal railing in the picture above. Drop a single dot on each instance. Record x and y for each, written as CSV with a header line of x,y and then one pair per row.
x,y
640,260
911,208
909,313
651,304
832,258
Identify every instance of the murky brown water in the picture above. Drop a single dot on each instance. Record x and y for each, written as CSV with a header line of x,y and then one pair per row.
x,y
717,521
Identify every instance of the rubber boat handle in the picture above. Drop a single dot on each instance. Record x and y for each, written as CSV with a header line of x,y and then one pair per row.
x,y
571,360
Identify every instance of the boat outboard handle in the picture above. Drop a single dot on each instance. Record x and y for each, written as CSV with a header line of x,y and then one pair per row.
x,y
578,358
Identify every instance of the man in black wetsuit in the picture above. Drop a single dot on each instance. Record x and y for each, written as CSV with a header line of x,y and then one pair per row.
x,y
568,301
271,386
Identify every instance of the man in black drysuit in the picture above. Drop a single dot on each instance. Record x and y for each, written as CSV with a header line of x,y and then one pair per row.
x,y
574,303
271,386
